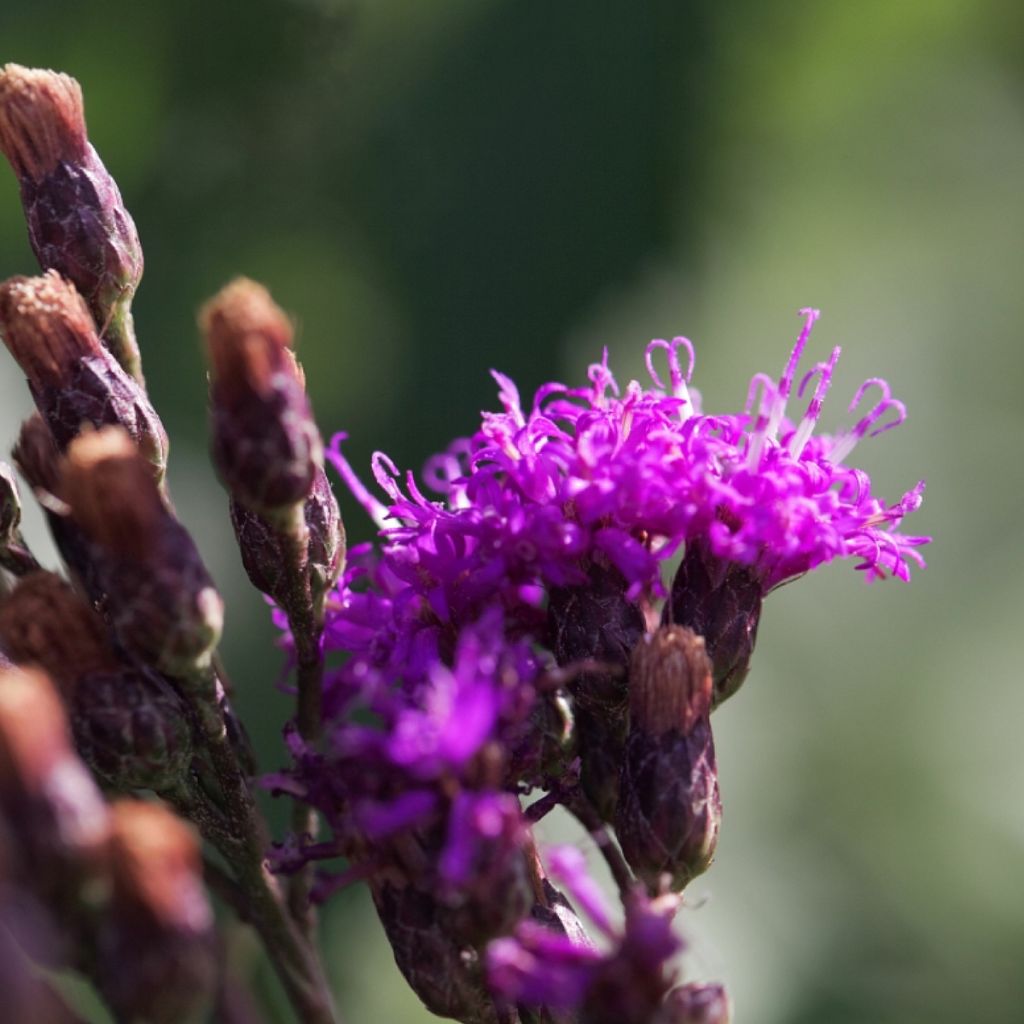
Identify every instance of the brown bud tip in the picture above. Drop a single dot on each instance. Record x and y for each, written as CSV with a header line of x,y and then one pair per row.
x,y
36,456
60,819
155,959
42,120
34,733
47,326
249,338
111,491
45,622
157,866
670,681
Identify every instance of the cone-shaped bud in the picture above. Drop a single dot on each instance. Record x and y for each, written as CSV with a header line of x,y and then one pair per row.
x,y
162,603
73,378
154,950
696,1004
445,975
720,601
265,444
264,548
596,622
77,222
47,797
38,459
132,729
36,455
44,622
10,507
669,810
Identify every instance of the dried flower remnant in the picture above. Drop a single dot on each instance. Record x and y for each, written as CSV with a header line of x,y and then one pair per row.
x,y
77,221
72,377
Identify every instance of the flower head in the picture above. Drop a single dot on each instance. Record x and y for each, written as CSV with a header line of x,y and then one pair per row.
x,y
489,640
626,476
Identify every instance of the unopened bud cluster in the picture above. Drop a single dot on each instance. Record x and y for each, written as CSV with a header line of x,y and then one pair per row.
x,y
110,683
123,881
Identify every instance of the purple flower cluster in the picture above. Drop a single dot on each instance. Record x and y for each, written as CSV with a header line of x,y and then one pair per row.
x,y
598,473
455,699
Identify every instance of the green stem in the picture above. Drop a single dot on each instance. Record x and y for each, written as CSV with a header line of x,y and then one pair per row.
x,y
119,337
242,842
307,629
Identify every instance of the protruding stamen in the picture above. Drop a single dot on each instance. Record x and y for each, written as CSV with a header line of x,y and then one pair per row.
x,y
823,371
678,378
509,395
602,378
760,430
848,441
786,381
376,510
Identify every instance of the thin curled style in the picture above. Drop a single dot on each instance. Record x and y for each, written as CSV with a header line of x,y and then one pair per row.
x,y
676,375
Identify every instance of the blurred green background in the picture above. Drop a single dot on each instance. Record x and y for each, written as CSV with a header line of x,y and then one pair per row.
x,y
438,188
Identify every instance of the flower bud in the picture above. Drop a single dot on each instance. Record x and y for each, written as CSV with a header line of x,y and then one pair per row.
x,y
696,1004
132,729
46,793
720,601
72,377
265,444
36,455
38,459
44,622
154,951
669,810
162,603
263,548
596,622
444,974
77,221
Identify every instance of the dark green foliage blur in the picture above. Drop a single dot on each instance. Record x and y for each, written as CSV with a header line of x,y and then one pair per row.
x,y
438,188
